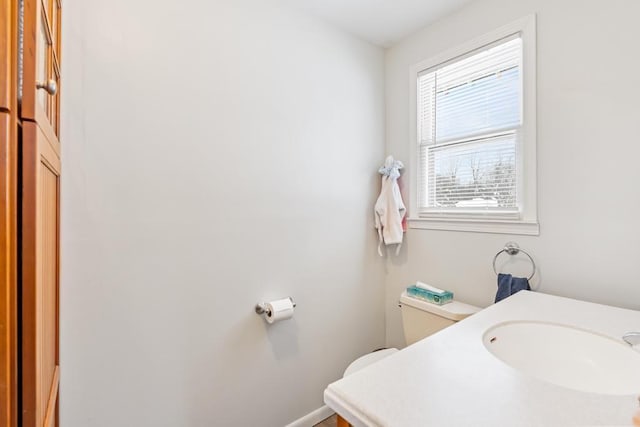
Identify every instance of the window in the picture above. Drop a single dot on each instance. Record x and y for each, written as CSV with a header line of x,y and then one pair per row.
x,y
474,144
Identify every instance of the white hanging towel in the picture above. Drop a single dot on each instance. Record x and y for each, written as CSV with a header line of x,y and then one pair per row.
x,y
389,208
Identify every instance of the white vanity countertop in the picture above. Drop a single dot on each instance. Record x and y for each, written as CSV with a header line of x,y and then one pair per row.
x,y
451,379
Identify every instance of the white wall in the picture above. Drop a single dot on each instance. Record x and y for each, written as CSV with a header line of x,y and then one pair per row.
x,y
588,156
216,154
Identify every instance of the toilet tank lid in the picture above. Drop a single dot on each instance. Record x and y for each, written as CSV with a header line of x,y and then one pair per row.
x,y
455,310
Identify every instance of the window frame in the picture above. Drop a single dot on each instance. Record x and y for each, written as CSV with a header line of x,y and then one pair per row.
x,y
526,221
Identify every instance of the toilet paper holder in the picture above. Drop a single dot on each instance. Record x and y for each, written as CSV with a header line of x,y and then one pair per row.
x,y
261,307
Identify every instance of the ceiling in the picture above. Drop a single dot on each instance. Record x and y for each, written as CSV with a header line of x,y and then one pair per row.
x,y
382,22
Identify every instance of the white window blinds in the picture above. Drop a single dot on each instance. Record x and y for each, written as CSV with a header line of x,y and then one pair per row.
x,y
469,129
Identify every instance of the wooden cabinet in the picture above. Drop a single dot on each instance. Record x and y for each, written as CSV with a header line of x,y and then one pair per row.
x,y
29,215
40,275
41,85
9,339
40,219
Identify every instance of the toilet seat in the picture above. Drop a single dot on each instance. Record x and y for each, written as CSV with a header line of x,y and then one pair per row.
x,y
368,359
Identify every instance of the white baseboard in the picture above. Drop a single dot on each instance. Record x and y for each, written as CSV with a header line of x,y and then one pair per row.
x,y
313,418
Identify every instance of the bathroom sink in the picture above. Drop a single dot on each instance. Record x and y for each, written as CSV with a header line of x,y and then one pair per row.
x,y
567,356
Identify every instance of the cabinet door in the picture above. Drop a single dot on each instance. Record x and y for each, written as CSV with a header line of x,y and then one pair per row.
x,y
40,275
8,215
8,271
6,72
41,76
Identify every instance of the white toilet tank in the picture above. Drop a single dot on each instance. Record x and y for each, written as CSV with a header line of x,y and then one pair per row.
x,y
421,319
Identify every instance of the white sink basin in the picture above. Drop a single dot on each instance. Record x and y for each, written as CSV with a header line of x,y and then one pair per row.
x,y
566,356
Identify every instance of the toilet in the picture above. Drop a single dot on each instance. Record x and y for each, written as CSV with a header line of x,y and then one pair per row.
x,y
419,320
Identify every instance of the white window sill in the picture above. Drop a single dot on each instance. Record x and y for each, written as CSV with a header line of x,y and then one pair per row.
x,y
529,228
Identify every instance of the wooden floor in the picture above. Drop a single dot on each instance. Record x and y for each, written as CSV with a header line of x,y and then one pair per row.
x,y
329,422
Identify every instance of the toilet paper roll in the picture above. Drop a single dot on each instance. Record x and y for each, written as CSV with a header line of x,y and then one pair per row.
x,y
277,310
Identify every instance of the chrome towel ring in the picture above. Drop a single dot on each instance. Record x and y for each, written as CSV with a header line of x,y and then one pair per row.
x,y
512,248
